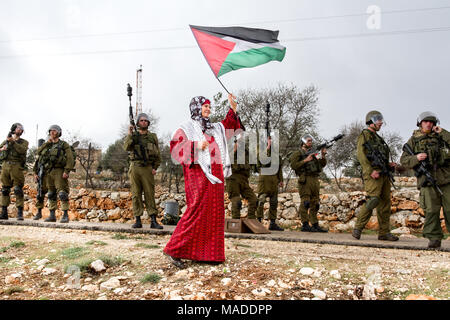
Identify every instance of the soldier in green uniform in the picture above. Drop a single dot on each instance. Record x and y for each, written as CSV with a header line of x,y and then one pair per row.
x,y
57,157
237,184
431,144
376,184
39,199
268,187
145,159
308,168
13,153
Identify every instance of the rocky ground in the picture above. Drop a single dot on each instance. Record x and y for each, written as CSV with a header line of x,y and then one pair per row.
x,y
41,264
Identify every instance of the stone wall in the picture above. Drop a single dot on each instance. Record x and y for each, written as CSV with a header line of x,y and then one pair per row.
x,y
338,211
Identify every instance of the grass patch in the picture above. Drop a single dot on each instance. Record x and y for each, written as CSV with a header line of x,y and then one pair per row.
x,y
147,246
12,290
83,265
151,277
4,259
112,261
3,249
17,244
74,253
96,243
119,236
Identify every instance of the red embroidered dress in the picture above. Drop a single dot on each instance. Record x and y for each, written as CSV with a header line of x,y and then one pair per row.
x,y
199,234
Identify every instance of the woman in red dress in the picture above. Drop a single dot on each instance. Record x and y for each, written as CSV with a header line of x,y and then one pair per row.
x,y
201,148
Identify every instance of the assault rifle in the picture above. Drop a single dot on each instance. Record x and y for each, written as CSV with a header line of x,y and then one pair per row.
x,y
40,173
326,145
378,160
135,131
268,120
421,169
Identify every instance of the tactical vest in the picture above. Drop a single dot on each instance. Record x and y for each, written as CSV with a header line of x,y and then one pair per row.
x,y
12,155
242,168
53,156
149,144
377,143
311,168
434,146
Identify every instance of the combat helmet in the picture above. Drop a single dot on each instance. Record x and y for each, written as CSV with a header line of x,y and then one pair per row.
x,y
428,116
57,128
373,116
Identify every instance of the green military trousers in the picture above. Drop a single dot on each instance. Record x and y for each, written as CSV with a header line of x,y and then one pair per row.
x,y
267,187
310,201
12,176
237,186
58,187
431,203
379,197
142,181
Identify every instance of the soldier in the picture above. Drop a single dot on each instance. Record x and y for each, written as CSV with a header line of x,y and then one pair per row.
x,y
36,167
308,168
13,155
237,183
145,159
268,187
376,184
57,158
431,143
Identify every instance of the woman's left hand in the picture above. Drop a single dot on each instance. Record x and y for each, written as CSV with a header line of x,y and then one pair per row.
x,y
233,103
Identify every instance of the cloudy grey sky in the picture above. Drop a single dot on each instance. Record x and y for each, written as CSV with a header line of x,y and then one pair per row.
x,y
67,62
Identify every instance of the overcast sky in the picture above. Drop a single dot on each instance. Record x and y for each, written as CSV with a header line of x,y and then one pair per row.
x,y
67,62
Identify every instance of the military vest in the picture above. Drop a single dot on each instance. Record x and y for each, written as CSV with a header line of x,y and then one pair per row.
x,y
242,168
434,146
377,143
12,155
150,147
53,155
311,168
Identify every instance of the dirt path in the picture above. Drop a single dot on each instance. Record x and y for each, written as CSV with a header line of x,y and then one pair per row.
x,y
255,269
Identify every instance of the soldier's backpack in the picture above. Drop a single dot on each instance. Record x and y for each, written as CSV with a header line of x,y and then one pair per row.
x,y
74,153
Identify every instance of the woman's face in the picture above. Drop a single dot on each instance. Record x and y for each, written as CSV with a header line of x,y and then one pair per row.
x,y
206,110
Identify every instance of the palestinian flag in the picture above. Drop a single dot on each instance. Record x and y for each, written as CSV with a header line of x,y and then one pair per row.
x,y
232,48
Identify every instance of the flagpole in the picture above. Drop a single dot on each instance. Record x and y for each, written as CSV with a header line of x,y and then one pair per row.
x,y
222,85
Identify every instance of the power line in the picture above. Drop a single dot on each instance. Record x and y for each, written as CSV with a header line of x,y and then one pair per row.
x,y
110,34
316,38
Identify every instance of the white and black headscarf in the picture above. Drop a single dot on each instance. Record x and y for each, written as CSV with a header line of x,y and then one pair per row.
x,y
196,112
195,129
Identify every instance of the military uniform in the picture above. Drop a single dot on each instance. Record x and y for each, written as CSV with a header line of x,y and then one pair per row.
x,y
436,146
237,186
268,187
12,175
308,186
378,190
140,172
57,158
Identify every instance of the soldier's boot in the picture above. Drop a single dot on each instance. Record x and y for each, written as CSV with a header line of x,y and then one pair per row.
x,y
20,213
306,227
138,223
356,233
315,228
65,217
434,244
52,217
4,215
154,224
273,226
388,237
38,215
